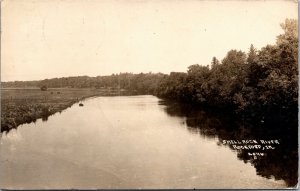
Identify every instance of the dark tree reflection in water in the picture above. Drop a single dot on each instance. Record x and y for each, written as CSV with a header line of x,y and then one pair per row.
x,y
280,163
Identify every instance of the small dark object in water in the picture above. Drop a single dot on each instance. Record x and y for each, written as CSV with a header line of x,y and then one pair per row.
x,y
81,104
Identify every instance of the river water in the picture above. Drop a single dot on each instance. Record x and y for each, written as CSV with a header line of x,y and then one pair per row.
x,y
124,142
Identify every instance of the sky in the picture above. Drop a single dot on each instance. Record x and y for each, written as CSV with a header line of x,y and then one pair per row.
x,y
59,38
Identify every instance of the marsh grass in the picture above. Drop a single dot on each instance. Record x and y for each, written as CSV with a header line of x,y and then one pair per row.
x,y
19,106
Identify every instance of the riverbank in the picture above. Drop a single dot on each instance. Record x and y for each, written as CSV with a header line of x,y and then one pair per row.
x,y
19,106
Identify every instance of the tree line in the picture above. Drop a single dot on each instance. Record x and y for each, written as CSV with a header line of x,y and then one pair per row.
x,y
259,80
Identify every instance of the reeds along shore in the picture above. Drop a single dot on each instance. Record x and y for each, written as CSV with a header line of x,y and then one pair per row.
x,y
19,106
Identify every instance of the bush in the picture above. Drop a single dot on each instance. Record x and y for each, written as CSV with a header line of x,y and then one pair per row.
x,y
44,88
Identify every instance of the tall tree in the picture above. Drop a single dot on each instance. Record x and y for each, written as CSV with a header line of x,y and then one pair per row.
x,y
215,62
252,55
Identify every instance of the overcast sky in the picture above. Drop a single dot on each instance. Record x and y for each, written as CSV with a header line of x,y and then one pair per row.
x,y
59,38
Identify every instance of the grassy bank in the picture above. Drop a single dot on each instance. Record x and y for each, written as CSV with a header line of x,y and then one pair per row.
x,y
20,106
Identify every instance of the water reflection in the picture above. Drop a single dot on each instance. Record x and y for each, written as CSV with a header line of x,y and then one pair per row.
x,y
132,142
280,163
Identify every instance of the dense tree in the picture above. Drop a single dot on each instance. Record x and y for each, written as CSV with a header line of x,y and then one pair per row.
x,y
273,75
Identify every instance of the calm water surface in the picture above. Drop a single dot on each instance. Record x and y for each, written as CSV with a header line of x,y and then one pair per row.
x,y
121,142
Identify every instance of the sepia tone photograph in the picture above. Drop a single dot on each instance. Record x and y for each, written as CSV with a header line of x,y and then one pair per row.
x,y
147,94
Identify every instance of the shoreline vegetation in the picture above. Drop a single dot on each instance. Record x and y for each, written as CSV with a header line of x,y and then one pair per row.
x,y
261,84
20,106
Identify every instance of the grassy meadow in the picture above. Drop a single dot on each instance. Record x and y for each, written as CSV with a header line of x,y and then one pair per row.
x,y
20,106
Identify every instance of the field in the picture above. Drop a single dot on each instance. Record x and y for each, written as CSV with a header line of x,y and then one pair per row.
x,y
20,106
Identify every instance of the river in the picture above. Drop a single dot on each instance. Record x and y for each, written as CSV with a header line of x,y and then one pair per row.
x,y
126,142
